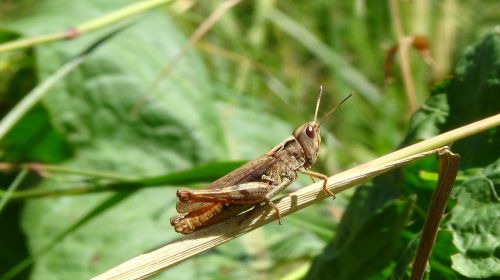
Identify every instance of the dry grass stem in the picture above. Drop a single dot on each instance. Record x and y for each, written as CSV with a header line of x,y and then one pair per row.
x,y
448,169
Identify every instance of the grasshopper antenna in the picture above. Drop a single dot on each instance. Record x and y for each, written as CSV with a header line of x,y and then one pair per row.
x,y
332,110
317,102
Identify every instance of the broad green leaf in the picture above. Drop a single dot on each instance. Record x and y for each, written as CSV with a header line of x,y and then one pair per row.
x,y
179,126
475,223
440,259
251,128
426,121
472,94
92,111
13,246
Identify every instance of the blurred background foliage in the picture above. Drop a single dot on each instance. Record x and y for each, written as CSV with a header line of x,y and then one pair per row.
x,y
138,111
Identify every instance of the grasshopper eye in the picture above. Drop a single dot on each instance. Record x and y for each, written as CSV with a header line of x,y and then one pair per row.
x,y
310,132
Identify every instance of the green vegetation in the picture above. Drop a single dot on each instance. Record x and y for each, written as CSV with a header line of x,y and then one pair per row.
x,y
121,116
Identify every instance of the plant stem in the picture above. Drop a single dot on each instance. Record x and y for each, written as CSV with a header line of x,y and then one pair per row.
x,y
85,27
403,44
76,171
202,173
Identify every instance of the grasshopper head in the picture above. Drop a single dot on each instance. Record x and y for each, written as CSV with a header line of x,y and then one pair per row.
x,y
308,134
309,138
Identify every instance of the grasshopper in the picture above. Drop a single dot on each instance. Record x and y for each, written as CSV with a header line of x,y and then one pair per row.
x,y
255,182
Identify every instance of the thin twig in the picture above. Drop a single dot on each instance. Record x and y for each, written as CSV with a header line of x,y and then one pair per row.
x,y
404,57
148,264
85,27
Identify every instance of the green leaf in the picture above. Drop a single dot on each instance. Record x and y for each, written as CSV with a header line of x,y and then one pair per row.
x,y
440,259
34,139
13,246
478,75
472,94
475,223
426,121
93,110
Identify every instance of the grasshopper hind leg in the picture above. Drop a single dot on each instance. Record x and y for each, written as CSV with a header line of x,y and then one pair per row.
x,y
192,221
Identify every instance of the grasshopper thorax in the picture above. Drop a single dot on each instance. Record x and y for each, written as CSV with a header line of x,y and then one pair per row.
x,y
309,138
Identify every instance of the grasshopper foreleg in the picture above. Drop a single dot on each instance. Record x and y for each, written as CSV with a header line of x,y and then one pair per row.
x,y
320,176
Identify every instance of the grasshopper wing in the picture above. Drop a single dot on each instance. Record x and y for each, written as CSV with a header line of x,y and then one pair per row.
x,y
186,207
252,170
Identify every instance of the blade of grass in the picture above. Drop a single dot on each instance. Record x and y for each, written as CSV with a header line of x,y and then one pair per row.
x,y
202,173
342,68
32,98
44,169
35,95
148,264
17,181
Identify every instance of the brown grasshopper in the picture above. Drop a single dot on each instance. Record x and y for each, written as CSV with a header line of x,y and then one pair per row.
x,y
256,181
